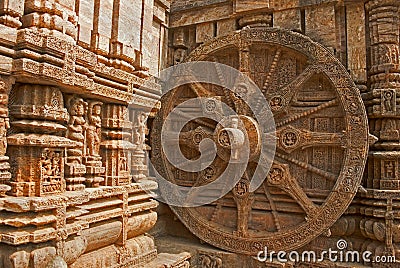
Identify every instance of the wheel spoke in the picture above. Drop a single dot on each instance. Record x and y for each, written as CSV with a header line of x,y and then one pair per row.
x,y
280,177
275,213
199,121
272,69
291,139
328,175
227,95
268,77
244,201
280,99
199,89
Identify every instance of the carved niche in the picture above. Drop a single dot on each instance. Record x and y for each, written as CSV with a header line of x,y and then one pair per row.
x,y
92,158
36,142
75,169
207,260
116,146
321,139
139,152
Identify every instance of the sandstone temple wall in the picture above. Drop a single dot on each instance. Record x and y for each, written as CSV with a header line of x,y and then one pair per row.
x,y
76,83
73,170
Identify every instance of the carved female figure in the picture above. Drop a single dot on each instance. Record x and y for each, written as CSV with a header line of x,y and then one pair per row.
x,y
4,125
76,124
93,129
140,129
388,101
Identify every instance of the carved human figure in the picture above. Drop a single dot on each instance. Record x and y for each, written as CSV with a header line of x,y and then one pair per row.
x,y
50,165
289,139
241,188
241,90
93,129
389,169
56,163
4,125
140,129
46,165
4,120
388,101
122,163
207,261
179,55
76,124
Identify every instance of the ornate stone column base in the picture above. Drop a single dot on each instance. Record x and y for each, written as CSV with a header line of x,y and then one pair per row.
x,y
94,170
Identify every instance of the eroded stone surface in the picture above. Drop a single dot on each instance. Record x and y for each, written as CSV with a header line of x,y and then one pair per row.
x,y
73,174
364,37
72,192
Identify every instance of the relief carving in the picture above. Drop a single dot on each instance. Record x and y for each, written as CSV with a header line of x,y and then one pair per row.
x,y
209,261
77,109
52,171
140,130
76,125
37,144
57,136
313,101
139,153
92,158
116,148
388,102
5,87
93,129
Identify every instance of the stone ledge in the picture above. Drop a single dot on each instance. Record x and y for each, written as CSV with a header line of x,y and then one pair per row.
x,y
166,260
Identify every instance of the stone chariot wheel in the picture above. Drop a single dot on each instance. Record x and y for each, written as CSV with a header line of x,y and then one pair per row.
x,y
321,143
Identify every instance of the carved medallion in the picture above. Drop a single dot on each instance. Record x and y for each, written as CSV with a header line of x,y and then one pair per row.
x,y
320,148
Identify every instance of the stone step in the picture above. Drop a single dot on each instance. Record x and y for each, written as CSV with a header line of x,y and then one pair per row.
x,y
167,260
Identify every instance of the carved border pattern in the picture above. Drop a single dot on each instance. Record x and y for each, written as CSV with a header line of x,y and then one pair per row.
x,y
80,70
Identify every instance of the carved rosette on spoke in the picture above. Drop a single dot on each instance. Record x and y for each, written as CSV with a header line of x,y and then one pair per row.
x,y
321,145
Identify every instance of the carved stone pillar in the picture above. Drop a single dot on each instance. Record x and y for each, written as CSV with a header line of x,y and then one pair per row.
x,y
115,149
5,87
381,100
383,21
36,143
379,223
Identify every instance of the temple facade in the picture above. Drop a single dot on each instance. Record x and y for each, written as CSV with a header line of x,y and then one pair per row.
x,y
79,79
